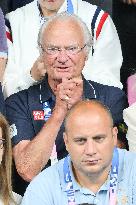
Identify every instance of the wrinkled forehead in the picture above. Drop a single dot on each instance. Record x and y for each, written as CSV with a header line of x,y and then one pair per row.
x,y
67,29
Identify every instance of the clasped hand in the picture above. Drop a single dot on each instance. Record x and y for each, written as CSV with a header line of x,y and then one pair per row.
x,y
69,91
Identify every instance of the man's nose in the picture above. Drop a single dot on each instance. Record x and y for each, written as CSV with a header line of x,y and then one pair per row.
x,y
62,56
90,148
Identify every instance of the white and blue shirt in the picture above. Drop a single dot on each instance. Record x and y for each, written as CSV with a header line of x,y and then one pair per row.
x,y
49,187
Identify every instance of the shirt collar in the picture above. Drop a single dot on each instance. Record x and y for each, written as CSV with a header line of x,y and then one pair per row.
x,y
89,91
45,91
77,187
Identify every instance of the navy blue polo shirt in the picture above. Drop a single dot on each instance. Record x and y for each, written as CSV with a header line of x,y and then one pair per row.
x,y
20,107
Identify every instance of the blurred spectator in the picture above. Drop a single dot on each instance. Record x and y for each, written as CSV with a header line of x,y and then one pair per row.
x,y
124,16
3,57
130,119
131,89
6,195
130,112
3,46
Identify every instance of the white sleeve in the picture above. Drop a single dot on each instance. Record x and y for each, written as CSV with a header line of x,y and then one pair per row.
x,y
14,79
107,58
17,74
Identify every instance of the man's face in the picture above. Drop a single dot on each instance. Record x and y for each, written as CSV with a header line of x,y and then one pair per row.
x,y
51,5
90,141
63,34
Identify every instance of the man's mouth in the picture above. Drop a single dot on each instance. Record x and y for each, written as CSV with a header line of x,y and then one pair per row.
x,y
91,162
64,69
51,0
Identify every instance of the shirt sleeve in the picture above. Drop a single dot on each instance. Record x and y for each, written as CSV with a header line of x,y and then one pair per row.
x,y
107,58
33,198
15,78
41,190
19,117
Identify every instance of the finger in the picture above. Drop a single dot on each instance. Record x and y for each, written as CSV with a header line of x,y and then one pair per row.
x,y
69,106
68,93
77,81
68,86
71,83
66,79
64,97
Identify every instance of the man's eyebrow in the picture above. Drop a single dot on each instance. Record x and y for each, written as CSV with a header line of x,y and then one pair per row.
x,y
99,135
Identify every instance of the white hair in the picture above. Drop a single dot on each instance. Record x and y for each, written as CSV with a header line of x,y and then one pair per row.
x,y
88,40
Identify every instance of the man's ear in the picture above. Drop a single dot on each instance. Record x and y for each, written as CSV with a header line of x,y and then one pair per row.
x,y
65,137
115,134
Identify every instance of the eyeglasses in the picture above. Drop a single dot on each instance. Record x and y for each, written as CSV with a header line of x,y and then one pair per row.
x,y
69,50
2,141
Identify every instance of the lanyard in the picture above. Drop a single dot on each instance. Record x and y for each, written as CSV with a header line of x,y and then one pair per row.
x,y
47,114
113,180
69,187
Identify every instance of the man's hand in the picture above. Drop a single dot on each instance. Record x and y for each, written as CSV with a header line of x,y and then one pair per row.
x,y
69,92
38,70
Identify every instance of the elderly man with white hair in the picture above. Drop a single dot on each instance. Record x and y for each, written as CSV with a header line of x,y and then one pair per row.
x,y
25,67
